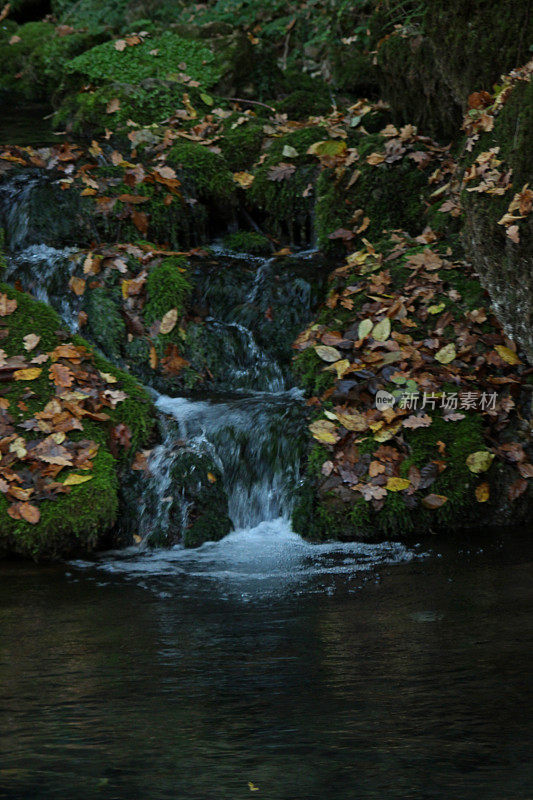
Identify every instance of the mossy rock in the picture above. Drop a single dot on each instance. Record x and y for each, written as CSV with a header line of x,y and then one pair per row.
x,y
79,521
504,266
196,477
390,195
248,242
241,141
32,66
204,174
283,207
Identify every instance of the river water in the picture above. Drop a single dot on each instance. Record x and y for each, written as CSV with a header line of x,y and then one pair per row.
x,y
378,673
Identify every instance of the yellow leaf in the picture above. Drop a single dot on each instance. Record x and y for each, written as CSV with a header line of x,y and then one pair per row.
x,y
153,357
381,331
446,354
397,484
244,179
507,354
375,158
169,320
125,287
479,461
329,147
365,326
324,431
482,492
353,422
436,309
28,374
327,353
211,478
75,480
387,433
340,367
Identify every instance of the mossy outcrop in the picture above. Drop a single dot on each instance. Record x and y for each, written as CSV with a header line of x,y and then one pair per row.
x,y
503,262
71,518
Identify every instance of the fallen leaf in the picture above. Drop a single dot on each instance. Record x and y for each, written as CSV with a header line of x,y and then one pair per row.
x,y
381,331
479,461
327,353
7,306
244,179
365,326
324,431
446,354
397,484
281,171
434,501
77,285
76,480
482,492
168,323
29,374
31,341
507,354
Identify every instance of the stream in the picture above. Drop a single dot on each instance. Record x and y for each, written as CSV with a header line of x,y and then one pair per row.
x,y
257,664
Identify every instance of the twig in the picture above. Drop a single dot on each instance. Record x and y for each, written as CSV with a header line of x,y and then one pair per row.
x,y
252,102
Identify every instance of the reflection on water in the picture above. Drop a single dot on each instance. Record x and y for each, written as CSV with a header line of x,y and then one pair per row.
x,y
412,686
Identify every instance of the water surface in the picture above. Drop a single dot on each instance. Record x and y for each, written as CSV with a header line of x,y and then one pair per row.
x,y
348,673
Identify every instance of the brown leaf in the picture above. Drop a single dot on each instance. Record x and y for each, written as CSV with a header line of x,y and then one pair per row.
x,y
434,501
7,306
141,221
281,171
61,375
517,488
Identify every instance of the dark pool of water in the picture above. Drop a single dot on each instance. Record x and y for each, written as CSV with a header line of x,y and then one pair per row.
x,y
405,680
29,124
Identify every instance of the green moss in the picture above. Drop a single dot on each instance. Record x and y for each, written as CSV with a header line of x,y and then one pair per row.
x,y
104,323
34,65
133,65
241,145
391,195
285,208
309,372
248,242
204,174
167,287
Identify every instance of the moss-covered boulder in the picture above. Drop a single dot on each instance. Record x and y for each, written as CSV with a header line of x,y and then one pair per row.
x,y
442,51
71,422
33,56
413,430
145,78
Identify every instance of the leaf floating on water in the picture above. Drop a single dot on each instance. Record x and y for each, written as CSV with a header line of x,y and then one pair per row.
x,y
479,461
324,431
253,787
326,353
211,478
77,285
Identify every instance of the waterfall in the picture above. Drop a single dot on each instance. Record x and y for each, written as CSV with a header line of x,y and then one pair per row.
x,y
248,429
